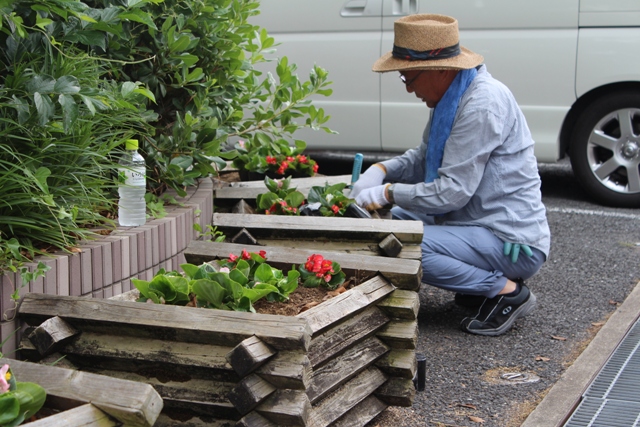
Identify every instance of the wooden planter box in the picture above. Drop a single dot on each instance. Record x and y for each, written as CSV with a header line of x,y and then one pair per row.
x,y
234,216
85,399
340,363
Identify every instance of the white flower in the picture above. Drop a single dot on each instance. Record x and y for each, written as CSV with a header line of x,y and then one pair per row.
x,y
329,197
224,270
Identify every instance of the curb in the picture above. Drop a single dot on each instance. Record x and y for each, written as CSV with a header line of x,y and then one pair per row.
x,y
563,398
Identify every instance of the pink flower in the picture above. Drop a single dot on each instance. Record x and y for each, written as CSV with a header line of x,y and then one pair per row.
x,y
232,257
224,270
5,376
327,278
245,255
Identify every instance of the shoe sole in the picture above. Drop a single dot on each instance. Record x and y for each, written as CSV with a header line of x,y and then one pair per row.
x,y
522,311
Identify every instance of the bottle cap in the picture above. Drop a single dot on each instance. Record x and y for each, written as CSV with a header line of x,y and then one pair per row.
x,y
131,144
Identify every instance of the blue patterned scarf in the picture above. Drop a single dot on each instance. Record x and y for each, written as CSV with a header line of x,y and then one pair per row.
x,y
442,122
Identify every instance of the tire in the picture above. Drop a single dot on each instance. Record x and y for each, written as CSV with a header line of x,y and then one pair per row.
x,y
605,149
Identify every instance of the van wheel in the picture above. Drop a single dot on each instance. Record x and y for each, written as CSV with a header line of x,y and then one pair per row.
x,y
605,149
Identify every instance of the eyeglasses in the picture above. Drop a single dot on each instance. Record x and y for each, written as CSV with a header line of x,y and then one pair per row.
x,y
410,82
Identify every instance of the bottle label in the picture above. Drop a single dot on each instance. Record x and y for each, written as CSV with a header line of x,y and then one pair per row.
x,y
132,176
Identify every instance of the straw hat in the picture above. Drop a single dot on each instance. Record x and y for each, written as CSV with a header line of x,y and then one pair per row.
x,y
427,42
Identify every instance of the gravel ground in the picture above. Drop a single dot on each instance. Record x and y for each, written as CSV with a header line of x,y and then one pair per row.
x,y
592,267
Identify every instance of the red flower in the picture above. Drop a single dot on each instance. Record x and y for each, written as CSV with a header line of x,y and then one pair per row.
x,y
245,255
232,258
290,159
315,168
335,209
271,160
327,278
263,254
302,158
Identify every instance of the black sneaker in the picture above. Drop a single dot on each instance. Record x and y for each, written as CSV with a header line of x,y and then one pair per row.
x,y
469,301
498,314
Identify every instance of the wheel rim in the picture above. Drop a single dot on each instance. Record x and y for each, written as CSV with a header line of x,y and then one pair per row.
x,y
613,151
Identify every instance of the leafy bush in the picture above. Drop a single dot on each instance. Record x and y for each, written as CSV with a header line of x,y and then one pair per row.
x,y
79,78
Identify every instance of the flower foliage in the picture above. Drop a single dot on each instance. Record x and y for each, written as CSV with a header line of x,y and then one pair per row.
x,y
318,271
235,284
18,400
277,158
327,200
281,198
331,198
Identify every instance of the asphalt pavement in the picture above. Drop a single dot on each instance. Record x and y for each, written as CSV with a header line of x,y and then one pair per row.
x,y
498,381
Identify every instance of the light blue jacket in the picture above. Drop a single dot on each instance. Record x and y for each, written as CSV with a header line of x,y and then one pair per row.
x,y
489,174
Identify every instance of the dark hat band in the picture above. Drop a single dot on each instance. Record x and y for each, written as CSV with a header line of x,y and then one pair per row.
x,y
414,55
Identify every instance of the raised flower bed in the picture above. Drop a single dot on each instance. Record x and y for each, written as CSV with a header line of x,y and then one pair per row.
x,y
235,216
339,363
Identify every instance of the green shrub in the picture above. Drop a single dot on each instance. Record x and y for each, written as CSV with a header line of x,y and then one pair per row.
x,y
78,78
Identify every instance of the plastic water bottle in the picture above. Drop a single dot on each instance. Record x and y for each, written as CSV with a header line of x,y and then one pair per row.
x,y
131,176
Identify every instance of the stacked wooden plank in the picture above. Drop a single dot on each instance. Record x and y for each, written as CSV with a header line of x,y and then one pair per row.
x,y
235,216
82,399
339,363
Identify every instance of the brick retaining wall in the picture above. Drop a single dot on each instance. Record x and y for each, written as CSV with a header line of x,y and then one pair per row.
x,y
104,267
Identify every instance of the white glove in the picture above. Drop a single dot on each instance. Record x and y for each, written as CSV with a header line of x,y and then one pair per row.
x,y
372,198
372,177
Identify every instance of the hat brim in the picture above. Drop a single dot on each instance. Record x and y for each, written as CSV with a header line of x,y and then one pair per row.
x,y
466,60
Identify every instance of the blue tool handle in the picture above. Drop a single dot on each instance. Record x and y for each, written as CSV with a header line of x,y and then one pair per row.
x,y
357,167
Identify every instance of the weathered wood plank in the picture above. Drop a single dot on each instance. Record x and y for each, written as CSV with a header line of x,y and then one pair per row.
x,y
333,341
364,412
403,273
401,304
254,419
206,326
193,395
346,304
330,228
346,398
286,408
409,251
399,363
51,335
287,369
249,392
129,402
85,415
178,418
152,351
331,376
402,334
249,355
397,392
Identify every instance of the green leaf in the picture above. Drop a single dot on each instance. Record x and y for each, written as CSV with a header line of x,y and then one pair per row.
x,y
9,408
45,108
237,276
31,397
210,291
264,273
66,85
69,111
259,291
190,270
294,199
162,286
142,286
140,16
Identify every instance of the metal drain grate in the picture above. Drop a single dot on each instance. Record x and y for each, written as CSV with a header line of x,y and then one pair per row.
x,y
613,398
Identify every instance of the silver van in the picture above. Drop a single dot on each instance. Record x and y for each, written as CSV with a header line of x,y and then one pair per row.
x,y
573,66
